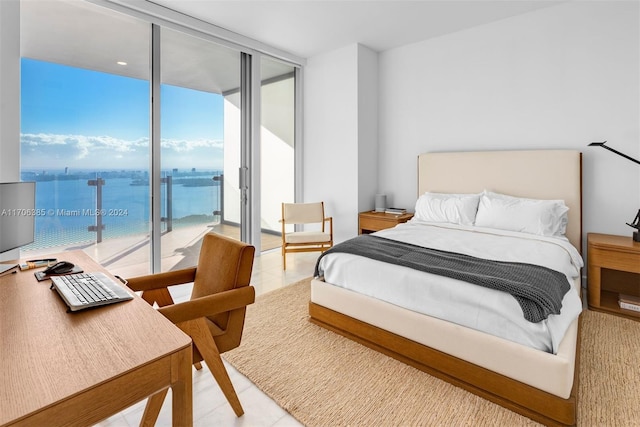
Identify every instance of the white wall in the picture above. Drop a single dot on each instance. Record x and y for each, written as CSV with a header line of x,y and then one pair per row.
x,y
277,139
340,136
9,97
367,128
560,77
9,90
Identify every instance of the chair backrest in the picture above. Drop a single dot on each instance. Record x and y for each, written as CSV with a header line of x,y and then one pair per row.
x,y
302,213
224,264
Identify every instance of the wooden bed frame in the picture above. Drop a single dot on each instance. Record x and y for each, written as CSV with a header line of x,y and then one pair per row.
x,y
535,174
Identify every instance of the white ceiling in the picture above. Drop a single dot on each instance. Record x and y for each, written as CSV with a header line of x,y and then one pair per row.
x,y
81,34
309,27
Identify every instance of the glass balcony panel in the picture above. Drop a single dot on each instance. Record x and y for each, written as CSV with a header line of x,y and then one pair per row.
x,y
200,142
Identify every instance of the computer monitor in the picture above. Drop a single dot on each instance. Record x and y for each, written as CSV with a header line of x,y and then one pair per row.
x,y
17,216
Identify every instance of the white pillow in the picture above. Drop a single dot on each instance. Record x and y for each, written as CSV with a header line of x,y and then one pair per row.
x,y
534,216
443,207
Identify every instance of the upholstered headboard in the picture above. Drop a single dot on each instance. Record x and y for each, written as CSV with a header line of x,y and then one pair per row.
x,y
537,174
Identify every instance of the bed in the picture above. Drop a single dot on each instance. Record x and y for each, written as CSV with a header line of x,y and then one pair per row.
x,y
535,376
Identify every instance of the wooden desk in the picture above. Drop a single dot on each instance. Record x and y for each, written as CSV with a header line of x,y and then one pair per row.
x,y
62,368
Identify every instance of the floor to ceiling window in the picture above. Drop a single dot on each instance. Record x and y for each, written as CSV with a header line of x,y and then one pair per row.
x,y
200,142
94,141
85,129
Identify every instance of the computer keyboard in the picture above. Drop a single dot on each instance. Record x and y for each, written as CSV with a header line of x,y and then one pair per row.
x,y
84,290
87,288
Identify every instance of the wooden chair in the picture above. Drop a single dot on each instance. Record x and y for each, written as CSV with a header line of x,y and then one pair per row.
x,y
305,241
214,316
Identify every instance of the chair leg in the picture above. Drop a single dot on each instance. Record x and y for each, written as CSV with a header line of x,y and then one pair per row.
x,y
152,410
198,365
202,339
284,259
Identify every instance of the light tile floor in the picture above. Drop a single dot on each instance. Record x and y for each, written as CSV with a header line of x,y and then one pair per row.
x,y
210,407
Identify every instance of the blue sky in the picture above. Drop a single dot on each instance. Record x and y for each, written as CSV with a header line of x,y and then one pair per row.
x,y
84,119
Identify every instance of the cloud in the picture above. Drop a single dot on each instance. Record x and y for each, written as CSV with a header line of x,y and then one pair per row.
x,y
86,144
43,149
181,145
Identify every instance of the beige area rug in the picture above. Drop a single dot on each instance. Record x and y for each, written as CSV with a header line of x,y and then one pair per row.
x,y
324,379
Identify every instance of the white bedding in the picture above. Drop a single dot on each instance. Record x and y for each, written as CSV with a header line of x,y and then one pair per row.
x,y
469,305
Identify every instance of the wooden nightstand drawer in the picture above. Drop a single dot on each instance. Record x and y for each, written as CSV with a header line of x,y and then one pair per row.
x,y
371,221
615,260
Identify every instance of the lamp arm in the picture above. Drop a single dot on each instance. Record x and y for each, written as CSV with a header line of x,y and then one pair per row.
x,y
636,221
622,154
602,144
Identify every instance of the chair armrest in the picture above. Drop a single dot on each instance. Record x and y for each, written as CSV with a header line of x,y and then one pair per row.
x,y
209,305
162,280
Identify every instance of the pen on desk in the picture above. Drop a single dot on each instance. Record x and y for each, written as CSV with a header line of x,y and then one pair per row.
x,y
43,260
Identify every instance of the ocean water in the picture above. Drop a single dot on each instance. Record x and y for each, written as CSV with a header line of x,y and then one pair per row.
x,y
66,205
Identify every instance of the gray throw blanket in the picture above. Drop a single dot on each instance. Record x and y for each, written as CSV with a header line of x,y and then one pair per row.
x,y
538,290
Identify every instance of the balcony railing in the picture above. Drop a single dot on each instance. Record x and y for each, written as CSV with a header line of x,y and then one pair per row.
x,y
91,207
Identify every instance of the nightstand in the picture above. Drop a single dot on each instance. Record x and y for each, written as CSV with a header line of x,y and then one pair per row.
x,y
613,264
371,221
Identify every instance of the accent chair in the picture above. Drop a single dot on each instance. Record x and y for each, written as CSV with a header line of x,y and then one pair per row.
x,y
214,316
307,240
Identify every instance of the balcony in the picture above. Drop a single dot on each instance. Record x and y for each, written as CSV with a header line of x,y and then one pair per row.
x,y
129,256
118,237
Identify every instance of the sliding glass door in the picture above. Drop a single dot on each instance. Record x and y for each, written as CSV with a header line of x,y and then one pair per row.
x,y
143,135
200,144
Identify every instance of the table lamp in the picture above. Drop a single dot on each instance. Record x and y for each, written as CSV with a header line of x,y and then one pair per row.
x,y
636,221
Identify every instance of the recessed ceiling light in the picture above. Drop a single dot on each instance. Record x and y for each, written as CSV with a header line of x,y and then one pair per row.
x,y
121,63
